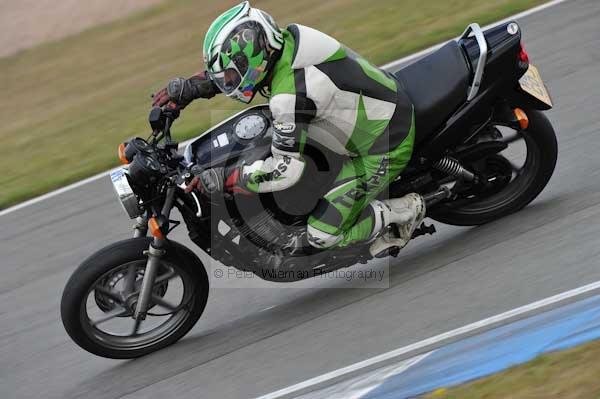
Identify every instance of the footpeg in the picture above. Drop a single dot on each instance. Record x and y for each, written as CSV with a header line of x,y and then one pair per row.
x,y
423,229
391,251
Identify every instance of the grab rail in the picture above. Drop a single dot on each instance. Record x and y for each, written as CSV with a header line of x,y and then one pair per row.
x,y
483,50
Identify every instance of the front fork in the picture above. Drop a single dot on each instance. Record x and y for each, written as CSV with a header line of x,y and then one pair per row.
x,y
154,253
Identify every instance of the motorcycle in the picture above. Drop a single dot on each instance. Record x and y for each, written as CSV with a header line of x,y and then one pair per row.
x,y
474,98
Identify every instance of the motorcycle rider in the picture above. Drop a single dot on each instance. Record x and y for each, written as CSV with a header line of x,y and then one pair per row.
x,y
320,89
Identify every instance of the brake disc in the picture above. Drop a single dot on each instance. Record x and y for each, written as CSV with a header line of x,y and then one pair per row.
x,y
112,280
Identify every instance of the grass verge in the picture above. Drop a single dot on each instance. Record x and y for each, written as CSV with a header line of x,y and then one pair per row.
x,y
68,104
569,374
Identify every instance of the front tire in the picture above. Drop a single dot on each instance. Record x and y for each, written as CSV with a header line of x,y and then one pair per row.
x,y
84,282
542,153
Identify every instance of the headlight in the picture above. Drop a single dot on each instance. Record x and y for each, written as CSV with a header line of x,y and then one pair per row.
x,y
127,197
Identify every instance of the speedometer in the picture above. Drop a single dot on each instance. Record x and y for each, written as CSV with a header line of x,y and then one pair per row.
x,y
250,126
141,145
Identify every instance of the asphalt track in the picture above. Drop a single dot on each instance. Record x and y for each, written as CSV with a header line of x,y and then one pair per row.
x,y
251,340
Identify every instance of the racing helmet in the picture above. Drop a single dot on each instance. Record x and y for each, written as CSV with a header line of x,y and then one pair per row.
x,y
240,48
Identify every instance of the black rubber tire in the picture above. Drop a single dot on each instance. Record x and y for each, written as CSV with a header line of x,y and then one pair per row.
x,y
119,253
542,153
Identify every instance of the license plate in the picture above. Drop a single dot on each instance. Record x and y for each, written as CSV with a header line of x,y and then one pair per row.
x,y
533,84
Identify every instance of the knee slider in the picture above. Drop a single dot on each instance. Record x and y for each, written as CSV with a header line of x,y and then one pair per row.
x,y
321,239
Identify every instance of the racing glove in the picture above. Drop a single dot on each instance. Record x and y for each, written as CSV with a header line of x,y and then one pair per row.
x,y
182,91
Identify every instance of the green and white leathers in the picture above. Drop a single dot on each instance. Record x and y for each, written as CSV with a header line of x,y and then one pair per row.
x,y
321,90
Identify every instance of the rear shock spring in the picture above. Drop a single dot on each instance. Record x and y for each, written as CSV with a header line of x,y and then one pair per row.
x,y
452,167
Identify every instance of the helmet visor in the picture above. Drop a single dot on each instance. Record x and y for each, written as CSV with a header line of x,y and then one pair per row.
x,y
227,80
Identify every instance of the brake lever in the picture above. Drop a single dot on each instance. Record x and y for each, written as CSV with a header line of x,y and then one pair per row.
x,y
196,200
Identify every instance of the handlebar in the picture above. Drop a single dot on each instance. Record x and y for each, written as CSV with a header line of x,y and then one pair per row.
x,y
160,120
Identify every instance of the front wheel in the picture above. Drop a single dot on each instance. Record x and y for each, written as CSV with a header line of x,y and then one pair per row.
x,y
99,299
518,184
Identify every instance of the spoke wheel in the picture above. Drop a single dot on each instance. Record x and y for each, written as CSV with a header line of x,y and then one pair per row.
x,y
99,300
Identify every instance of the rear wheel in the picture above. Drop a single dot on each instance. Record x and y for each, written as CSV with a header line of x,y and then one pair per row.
x,y
100,297
516,185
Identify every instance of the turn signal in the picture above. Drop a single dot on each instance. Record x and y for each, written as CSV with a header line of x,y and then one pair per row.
x,y
522,118
154,227
122,156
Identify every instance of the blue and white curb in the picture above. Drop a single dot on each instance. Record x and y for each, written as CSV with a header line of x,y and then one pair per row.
x,y
363,385
493,351
468,352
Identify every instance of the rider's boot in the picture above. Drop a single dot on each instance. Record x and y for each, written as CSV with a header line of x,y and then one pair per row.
x,y
406,213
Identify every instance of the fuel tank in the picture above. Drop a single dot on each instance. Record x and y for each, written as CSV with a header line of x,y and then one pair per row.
x,y
245,135
245,138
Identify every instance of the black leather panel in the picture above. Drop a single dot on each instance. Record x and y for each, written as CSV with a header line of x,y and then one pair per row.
x,y
347,74
437,84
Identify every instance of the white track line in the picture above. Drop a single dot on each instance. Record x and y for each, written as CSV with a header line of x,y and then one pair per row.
x,y
432,343
68,188
362,385
390,65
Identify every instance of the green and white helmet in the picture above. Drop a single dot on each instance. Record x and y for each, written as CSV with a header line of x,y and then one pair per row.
x,y
240,48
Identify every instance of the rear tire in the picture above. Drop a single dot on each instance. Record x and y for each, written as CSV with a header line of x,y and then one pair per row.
x,y
82,281
542,152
